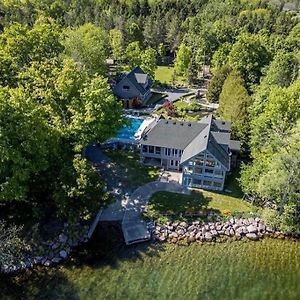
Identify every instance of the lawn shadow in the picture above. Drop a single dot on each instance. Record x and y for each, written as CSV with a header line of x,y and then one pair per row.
x,y
232,186
168,206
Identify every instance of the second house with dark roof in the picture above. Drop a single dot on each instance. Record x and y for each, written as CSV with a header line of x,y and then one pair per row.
x,y
134,88
202,151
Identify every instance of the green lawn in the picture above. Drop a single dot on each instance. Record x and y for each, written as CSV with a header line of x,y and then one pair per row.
x,y
129,170
164,74
155,98
267,269
166,205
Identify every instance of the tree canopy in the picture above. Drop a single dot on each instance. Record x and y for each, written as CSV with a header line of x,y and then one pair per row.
x,y
56,104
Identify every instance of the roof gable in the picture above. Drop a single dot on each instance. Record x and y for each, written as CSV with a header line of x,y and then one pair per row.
x,y
140,80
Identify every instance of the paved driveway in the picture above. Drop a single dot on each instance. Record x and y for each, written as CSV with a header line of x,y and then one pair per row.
x,y
174,94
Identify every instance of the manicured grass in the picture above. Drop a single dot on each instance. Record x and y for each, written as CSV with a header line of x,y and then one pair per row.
x,y
164,74
198,202
129,170
174,203
267,269
155,98
176,206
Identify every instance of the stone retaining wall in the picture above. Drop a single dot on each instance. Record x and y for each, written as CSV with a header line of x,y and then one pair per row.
x,y
250,228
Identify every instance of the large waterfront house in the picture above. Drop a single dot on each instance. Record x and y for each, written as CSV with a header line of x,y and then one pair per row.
x,y
133,88
202,151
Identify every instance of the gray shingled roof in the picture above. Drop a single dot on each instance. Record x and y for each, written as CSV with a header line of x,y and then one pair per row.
x,y
139,78
222,125
222,138
193,138
197,145
172,134
235,145
208,140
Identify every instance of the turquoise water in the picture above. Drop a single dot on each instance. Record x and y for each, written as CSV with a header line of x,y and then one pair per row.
x,y
128,131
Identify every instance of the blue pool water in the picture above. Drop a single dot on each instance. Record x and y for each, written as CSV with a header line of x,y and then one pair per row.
x,y
128,131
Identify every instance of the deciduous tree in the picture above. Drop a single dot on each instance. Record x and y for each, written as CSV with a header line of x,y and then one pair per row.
x,y
183,58
88,45
149,61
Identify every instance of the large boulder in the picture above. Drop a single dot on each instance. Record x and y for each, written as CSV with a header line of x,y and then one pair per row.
x,y
261,228
252,229
173,235
208,236
183,224
214,233
198,236
191,239
252,236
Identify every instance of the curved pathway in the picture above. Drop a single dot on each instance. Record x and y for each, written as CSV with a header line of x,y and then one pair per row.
x,y
133,226
129,209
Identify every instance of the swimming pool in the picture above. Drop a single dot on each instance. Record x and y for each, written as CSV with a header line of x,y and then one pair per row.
x,y
128,131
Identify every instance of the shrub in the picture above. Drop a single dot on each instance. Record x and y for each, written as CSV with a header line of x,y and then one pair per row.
x,y
226,212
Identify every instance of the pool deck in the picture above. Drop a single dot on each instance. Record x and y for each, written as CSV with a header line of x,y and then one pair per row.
x,y
146,124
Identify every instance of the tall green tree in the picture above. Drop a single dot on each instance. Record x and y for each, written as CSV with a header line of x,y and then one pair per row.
x,y
45,123
88,45
183,58
133,54
149,61
135,33
234,104
19,46
248,55
116,44
220,57
216,84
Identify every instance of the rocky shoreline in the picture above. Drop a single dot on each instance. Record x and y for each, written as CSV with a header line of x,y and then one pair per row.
x,y
54,251
181,233
185,233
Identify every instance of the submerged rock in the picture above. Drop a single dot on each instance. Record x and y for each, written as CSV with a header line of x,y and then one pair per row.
x,y
63,254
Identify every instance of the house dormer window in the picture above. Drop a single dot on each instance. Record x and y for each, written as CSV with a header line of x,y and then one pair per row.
x,y
126,87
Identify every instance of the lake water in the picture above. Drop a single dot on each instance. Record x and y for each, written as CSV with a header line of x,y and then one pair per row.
x,y
267,269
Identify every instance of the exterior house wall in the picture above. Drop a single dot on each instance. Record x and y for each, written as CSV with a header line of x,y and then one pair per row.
x,y
204,171
130,93
122,93
169,157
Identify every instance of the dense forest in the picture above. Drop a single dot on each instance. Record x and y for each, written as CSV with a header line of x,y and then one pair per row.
x,y
55,97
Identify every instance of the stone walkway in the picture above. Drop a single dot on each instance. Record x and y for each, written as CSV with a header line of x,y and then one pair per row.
x,y
134,228
128,207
